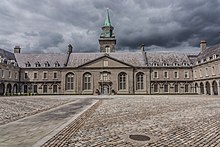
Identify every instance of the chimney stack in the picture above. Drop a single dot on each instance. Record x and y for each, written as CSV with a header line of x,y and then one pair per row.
x,y
202,45
142,47
70,49
17,49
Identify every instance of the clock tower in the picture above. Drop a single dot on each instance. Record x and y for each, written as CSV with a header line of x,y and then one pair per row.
x,y
107,39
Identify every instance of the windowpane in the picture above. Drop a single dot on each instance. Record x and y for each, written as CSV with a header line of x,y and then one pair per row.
x,y
69,81
122,81
140,81
155,87
165,87
45,89
87,81
54,88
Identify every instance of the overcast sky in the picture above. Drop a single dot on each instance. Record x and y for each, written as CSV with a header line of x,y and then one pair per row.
x,y
50,25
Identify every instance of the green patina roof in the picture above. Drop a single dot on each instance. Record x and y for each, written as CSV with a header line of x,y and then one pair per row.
x,y
107,20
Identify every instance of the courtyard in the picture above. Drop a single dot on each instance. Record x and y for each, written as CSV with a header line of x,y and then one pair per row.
x,y
163,120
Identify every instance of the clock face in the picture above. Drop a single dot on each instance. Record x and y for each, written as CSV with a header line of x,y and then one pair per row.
x,y
107,34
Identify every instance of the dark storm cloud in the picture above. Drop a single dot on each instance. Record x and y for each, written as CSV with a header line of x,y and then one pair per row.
x,y
50,25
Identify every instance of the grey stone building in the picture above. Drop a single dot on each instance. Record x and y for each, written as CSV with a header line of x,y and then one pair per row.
x,y
111,72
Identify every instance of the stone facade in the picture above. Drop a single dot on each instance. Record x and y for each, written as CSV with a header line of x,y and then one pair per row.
x,y
111,72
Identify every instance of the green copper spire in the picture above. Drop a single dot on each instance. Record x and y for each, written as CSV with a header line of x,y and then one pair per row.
x,y
107,20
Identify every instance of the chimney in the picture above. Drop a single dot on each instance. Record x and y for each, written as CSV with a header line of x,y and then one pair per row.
x,y
17,49
70,49
202,45
142,47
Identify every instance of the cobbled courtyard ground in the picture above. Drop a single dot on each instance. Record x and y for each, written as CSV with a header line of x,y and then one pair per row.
x,y
13,108
167,120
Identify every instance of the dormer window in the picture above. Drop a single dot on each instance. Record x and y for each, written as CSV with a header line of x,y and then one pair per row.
x,y
214,56
175,64
185,64
165,64
27,64
210,58
46,64
4,61
56,64
37,64
155,64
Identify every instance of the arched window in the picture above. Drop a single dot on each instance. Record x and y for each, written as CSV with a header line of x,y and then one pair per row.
x,y
140,81
122,81
87,81
166,87
176,88
155,87
44,88
186,88
69,81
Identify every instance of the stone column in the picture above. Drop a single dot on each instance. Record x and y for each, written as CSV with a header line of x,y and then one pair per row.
x,y
211,90
205,92
218,84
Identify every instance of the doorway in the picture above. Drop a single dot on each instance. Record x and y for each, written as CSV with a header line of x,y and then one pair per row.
x,y
105,89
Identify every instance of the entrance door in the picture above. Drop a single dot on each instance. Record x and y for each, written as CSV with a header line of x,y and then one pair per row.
x,y
105,89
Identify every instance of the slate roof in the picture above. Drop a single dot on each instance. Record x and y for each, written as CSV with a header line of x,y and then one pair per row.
x,y
209,52
7,55
168,58
132,58
22,59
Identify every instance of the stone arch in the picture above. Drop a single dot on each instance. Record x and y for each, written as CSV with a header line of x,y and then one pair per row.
x,y
202,91
2,89
15,89
8,89
215,88
208,88
196,87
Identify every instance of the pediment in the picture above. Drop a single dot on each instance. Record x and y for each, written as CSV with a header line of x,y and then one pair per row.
x,y
105,61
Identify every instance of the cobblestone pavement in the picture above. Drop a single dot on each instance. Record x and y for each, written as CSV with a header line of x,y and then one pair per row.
x,y
29,130
14,108
168,120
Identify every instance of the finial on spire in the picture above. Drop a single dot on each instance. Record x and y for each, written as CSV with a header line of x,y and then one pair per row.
x,y
107,19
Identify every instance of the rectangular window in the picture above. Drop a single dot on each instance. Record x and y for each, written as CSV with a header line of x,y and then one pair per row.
x,y
3,73
195,74
25,75
35,88
105,76
176,74
186,74
16,75
105,63
200,73
55,75
206,72
155,74
35,75
213,70
45,75
9,74
165,74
